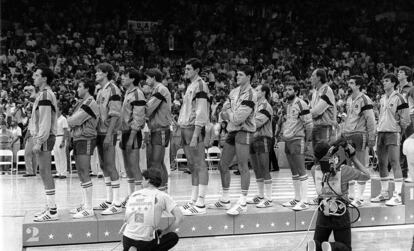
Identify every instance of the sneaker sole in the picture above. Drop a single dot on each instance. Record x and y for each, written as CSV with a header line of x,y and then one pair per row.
x,y
111,213
92,215
191,214
35,220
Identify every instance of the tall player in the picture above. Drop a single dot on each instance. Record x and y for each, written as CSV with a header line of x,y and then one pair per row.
x,y
297,132
44,121
393,120
194,116
109,103
159,120
132,122
359,129
83,124
239,111
260,147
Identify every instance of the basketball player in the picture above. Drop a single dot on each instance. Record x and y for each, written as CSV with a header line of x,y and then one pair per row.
x,y
239,111
109,103
44,136
194,116
83,124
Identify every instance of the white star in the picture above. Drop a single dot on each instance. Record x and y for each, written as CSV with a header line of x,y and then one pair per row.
x,y
69,235
106,233
242,226
210,227
177,229
360,219
411,216
257,225
287,223
372,218
272,224
398,217
302,222
88,234
51,236
385,218
193,229
225,227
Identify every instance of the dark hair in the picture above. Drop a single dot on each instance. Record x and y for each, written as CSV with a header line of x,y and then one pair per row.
x,y
295,86
195,63
321,74
106,68
321,149
407,70
393,79
248,70
359,80
135,74
266,90
46,72
154,73
88,84
153,176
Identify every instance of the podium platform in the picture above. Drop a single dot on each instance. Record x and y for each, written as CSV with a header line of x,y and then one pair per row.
x,y
214,223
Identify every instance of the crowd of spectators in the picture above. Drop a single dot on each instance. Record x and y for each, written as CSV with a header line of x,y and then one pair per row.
x,y
283,41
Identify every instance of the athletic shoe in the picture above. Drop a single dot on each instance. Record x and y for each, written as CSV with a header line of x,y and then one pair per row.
x,y
326,246
123,203
265,203
41,212
290,203
187,205
84,214
255,200
394,201
112,210
76,210
314,201
300,206
409,180
47,216
237,209
103,206
380,198
357,203
220,205
194,210
311,246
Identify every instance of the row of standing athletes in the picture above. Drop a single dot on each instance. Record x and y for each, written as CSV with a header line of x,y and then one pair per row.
x,y
95,123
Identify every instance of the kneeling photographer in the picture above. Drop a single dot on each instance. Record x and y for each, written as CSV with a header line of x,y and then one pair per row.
x,y
143,215
331,181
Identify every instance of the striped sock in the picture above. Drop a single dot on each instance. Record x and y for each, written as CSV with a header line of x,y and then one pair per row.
x,y
303,183
260,186
225,197
138,185
131,185
268,189
50,198
87,190
115,189
108,188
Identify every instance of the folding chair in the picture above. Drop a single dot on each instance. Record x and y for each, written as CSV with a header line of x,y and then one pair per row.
x,y
213,157
20,160
6,159
180,157
72,161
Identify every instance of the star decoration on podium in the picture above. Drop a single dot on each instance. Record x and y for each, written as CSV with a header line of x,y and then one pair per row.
x,y
106,233
411,216
226,227
360,219
70,235
193,229
287,223
302,222
372,218
385,218
88,234
257,225
241,226
177,230
51,236
210,227
399,217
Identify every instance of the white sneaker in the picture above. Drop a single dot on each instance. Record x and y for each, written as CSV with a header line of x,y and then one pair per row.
x,y
394,201
187,205
290,203
314,201
326,246
76,210
265,203
380,198
237,209
85,213
103,206
194,210
47,216
255,200
112,210
358,203
41,212
311,246
220,205
123,203
300,206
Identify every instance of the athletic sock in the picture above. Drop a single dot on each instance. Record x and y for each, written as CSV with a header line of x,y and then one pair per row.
x,y
398,187
108,187
268,189
131,185
138,185
194,193
351,189
201,195
243,197
296,186
83,195
304,188
225,194
360,189
87,190
384,185
115,188
50,198
260,186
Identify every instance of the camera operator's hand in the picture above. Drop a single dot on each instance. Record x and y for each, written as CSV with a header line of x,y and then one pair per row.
x,y
350,150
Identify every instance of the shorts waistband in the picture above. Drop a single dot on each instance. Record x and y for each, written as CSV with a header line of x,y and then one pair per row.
x,y
160,129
